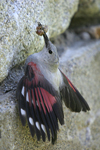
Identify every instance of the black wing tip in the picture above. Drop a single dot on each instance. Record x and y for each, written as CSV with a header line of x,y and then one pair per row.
x,y
85,106
23,121
87,109
82,105
59,113
54,138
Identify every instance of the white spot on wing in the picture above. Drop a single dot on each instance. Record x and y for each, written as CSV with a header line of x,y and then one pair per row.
x,y
23,112
31,121
37,125
43,128
37,103
27,98
23,90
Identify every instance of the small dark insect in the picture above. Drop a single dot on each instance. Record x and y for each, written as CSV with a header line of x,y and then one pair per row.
x,y
41,29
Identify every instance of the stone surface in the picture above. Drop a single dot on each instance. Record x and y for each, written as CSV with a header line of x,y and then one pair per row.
x,y
91,7
93,31
88,13
18,21
81,63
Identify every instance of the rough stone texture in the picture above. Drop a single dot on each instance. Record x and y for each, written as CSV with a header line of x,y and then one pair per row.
x,y
88,13
81,63
92,8
18,21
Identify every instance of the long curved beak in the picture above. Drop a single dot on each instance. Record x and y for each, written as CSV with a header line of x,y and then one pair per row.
x,y
46,39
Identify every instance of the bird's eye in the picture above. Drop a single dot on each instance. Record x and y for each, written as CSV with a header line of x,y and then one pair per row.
x,y
50,51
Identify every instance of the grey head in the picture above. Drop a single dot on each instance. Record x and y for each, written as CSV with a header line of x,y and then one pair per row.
x,y
47,57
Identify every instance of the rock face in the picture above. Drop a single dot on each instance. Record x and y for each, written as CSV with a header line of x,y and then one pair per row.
x,y
81,63
92,8
18,21
88,13
79,59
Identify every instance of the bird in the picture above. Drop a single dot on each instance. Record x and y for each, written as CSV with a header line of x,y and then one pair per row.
x,y
42,89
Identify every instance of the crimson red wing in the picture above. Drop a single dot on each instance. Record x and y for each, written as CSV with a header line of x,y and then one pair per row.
x,y
40,103
72,98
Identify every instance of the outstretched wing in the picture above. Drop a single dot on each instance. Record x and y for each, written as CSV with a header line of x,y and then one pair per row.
x,y
40,103
72,98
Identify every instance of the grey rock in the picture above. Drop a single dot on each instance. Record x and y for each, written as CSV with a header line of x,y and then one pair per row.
x,y
88,13
85,36
88,8
81,63
18,21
